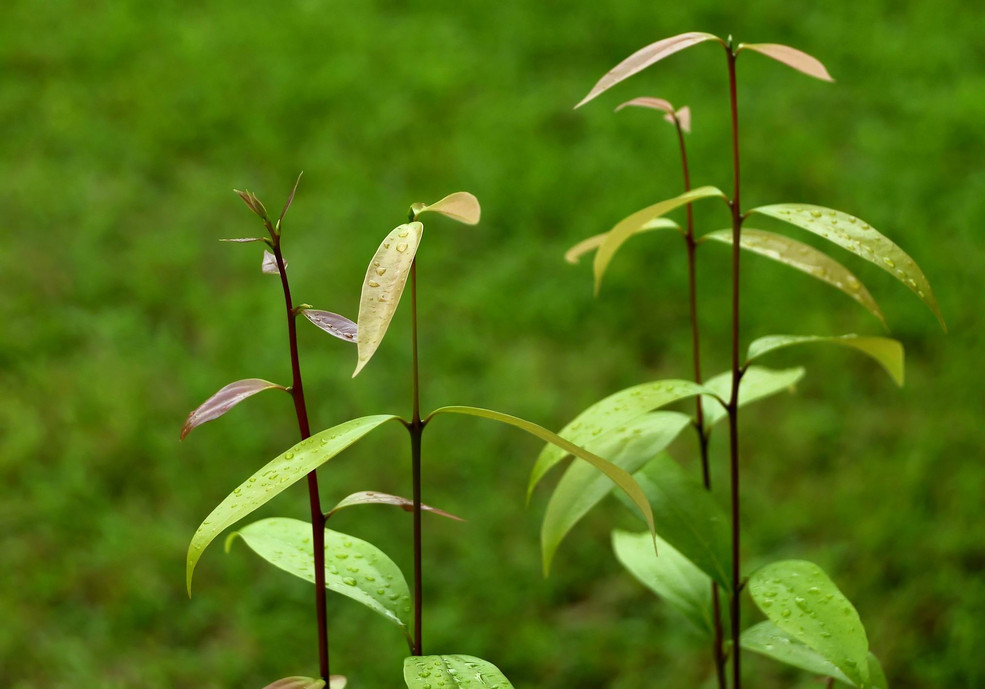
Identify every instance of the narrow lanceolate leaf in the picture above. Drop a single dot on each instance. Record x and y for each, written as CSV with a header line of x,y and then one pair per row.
x,y
615,410
648,102
767,639
461,206
252,202
244,240
583,247
757,383
583,486
369,497
620,477
332,323
290,200
299,683
354,568
275,477
799,598
644,57
453,671
861,239
384,283
670,575
224,400
269,264
802,257
629,226
791,57
887,352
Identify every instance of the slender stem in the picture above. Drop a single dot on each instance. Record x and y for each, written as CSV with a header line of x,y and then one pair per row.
x,y
317,518
416,429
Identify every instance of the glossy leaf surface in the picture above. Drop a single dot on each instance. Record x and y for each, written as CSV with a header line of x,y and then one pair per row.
x,y
275,477
461,206
453,672
224,400
887,352
877,678
644,57
758,383
767,639
384,283
861,239
298,683
268,266
583,486
799,598
370,497
802,257
670,575
791,57
629,226
354,568
573,254
332,323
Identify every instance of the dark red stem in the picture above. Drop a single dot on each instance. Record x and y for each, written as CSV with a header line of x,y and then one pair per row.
x,y
416,428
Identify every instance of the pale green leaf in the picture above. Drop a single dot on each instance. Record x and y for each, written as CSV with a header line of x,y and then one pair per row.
x,y
887,352
767,639
757,383
354,568
585,246
334,682
861,239
461,206
877,678
453,672
275,477
384,283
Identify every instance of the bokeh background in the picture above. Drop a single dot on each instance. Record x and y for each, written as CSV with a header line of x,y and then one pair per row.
x,y
125,127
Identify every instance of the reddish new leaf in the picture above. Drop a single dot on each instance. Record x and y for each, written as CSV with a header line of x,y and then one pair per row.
x,y
224,400
253,203
791,57
369,497
332,323
648,102
269,264
683,117
243,240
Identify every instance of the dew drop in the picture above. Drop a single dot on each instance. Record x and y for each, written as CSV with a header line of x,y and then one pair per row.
x,y
349,581
402,234
890,262
373,283
815,214
785,613
401,248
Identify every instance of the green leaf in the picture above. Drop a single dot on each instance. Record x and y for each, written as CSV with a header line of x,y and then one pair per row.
x,y
670,575
757,383
583,486
461,206
616,409
887,352
453,671
275,477
618,476
382,287
766,639
800,599
805,258
629,226
877,678
354,568
585,246
862,240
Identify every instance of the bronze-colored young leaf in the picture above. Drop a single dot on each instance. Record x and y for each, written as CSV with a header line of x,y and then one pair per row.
x,y
861,239
369,497
453,672
290,200
332,323
887,352
269,264
301,683
583,247
461,206
253,203
791,57
683,117
629,226
244,240
757,382
224,400
805,258
644,57
384,283
648,102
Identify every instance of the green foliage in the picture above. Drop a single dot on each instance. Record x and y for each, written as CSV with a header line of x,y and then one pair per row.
x,y
467,672
888,353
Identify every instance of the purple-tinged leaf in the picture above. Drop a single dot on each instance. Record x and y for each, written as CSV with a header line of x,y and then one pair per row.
x,y
224,400
290,200
461,206
269,264
298,683
648,102
244,240
332,323
644,57
369,497
791,57
253,203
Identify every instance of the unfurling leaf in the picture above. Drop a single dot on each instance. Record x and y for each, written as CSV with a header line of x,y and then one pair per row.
x,y
300,683
290,200
461,206
354,568
757,383
458,671
253,203
384,283
680,117
857,236
683,118
275,477
332,323
644,57
887,352
791,57
224,400
269,264
573,254
802,257
369,497
766,639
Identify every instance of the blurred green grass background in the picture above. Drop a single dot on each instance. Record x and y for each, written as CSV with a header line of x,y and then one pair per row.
x,y
127,124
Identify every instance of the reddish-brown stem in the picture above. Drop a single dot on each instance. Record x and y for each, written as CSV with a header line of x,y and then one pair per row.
x,y
416,428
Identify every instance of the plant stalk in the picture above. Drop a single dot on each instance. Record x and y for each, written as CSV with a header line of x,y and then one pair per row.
x,y
416,428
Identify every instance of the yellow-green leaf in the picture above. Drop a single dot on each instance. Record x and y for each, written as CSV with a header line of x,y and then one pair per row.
x,y
757,382
887,352
461,206
583,247
453,671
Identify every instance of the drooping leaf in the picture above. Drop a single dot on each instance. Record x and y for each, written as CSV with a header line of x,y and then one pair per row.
x,y
354,568
290,200
799,598
592,243
670,575
224,400
275,477
758,383
582,486
802,257
461,206
648,102
629,226
861,239
269,264
300,683
767,639
369,497
791,57
332,323
252,202
244,240
453,672
644,57
384,283
887,352
613,411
